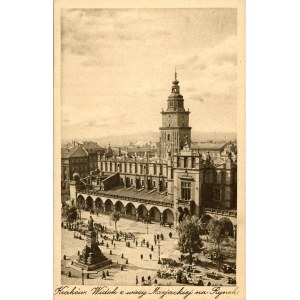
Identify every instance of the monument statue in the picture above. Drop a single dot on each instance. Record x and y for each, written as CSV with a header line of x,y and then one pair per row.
x,y
91,224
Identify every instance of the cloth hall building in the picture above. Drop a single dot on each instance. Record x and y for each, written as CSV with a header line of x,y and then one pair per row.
x,y
177,181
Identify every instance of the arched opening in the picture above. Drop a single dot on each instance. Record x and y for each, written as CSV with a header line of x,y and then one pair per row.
x,y
205,219
89,203
120,207
142,211
108,206
99,204
227,226
168,216
130,210
154,214
80,202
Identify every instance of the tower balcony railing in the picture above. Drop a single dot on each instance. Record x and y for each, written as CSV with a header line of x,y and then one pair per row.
x,y
128,198
223,212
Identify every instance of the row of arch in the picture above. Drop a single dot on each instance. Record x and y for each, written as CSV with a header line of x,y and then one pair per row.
x,y
228,226
127,210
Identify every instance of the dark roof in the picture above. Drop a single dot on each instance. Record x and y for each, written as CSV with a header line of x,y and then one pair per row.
x,y
208,146
121,191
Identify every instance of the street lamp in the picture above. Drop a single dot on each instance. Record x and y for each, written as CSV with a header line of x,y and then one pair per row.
x,y
147,221
82,275
159,262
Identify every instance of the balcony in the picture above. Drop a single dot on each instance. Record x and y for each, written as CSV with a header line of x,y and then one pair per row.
x,y
222,212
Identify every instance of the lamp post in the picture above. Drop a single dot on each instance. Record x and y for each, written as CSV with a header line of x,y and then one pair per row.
x,y
159,262
82,276
147,220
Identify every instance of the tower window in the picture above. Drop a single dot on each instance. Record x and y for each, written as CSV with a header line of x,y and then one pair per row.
x,y
217,195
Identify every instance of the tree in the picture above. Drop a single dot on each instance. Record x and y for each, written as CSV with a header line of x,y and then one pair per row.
x,y
69,213
189,236
216,233
115,216
227,226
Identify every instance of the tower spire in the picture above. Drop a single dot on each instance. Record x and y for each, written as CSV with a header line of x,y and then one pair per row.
x,y
175,74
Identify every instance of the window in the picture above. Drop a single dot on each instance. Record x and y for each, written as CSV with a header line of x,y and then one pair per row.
x,y
185,190
185,162
178,161
166,185
161,169
142,182
154,169
98,181
168,136
110,166
131,181
193,162
154,183
217,195
130,168
120,167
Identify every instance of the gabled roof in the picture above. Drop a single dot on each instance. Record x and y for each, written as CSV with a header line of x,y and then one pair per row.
x,y
208,146
74,151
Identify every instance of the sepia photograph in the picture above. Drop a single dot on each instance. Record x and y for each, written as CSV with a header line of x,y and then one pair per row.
x,y
149,148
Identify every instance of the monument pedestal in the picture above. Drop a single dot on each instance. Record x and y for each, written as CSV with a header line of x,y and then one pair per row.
x,y
91,257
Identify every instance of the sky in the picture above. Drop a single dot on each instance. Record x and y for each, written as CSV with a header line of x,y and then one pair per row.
x,y
118,67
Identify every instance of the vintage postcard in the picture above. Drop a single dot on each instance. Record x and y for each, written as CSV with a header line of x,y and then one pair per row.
x,y
149,179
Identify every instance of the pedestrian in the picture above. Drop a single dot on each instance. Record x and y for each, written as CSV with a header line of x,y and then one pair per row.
x,y
155,242
107,245
150,256
152,248
147,244
114,246
112,242
209,283
141,243
170,235
143,279
142,256
155,281
103,275
136,280
136,243
149,278
107,273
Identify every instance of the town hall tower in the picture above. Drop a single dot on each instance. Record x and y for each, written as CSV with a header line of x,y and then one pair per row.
x,y
175,130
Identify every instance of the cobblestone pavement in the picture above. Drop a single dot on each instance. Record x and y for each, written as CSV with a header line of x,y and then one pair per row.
x,y
135,267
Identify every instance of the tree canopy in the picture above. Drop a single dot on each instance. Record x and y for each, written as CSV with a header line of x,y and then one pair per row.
x,y
189,235
115,216
69,213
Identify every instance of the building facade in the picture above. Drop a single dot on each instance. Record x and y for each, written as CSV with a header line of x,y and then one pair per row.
x,y
181,181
